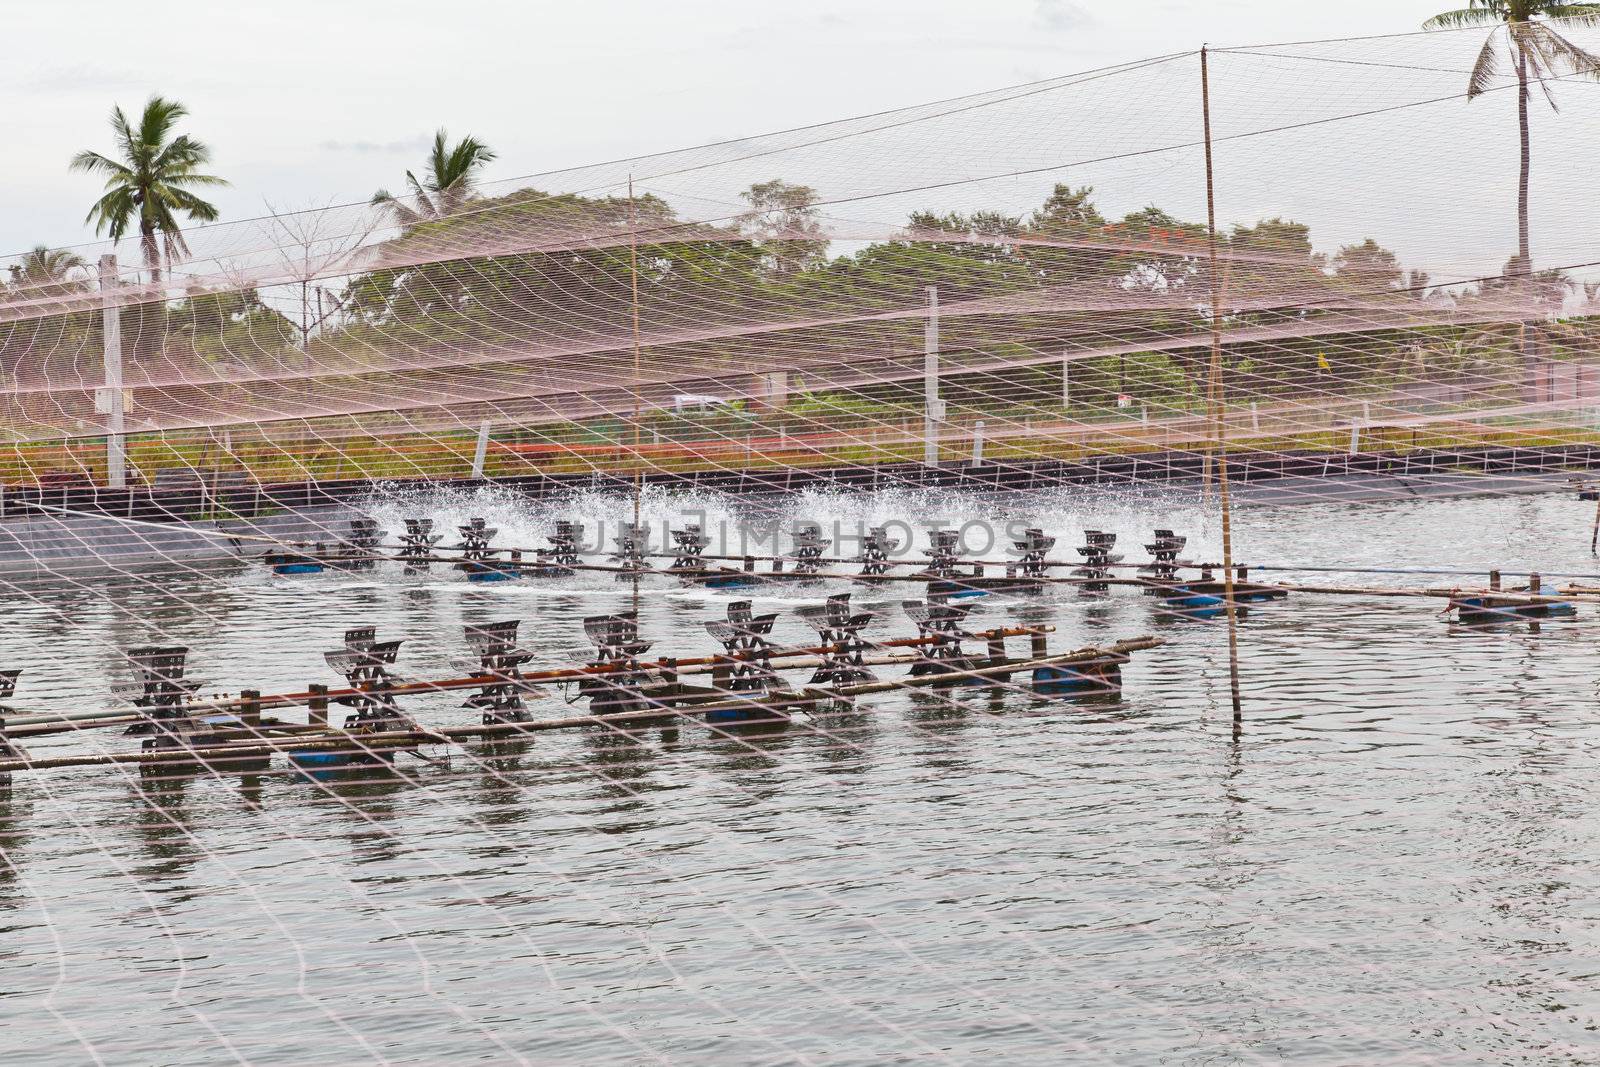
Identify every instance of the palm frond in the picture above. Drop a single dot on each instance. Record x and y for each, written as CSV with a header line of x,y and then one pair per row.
x,y
1533,66
1461,18
1485,69
1560,52
426,208
402,213
446,181
157,120
468,155
42,265
95,163
148,186
173,245
112,213
1550,57
182,152
1573,14
189,204
122,131
439,160
195,179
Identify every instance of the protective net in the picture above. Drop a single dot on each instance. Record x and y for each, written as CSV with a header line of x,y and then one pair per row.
x,y
1060,225
867,490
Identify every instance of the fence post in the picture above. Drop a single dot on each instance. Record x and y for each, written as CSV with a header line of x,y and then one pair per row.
x,y
977,444
110,396
482,453
932,406
250,708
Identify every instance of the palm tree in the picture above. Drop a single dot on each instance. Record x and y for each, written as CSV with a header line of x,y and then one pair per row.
x,y
1538,53
447,182
48,272
150,185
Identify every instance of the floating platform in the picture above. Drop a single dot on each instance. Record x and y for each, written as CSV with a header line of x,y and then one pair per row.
x,y
1486,607
1099,676
728,578
184,732
294,563
982,585
331,760
492,571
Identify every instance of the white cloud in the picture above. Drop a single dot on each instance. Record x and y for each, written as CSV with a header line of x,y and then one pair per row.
x,y
409,145
81,79
1060,15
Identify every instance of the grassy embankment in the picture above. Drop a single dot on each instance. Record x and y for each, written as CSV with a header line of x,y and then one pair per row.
x,y
450,455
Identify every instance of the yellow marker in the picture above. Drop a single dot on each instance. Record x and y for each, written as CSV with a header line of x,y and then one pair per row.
x,y
1322,362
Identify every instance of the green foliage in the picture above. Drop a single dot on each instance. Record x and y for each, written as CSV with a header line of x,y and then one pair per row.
x,y
1368,267
446,184
781,224
529,280
1537,49
231,324
151,182
44,272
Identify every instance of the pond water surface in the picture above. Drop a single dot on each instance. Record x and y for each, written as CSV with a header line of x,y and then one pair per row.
x,y
1395,859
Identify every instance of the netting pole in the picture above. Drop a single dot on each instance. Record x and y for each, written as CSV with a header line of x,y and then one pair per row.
x,y
111,394
932,408
633,280
1217,398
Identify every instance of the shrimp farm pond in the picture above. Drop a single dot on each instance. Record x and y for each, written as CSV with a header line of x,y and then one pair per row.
x,y
977,809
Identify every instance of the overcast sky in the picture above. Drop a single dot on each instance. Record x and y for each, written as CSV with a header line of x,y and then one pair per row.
x,y
308,102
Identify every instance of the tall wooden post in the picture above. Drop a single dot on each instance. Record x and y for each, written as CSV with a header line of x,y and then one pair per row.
x,y
250,709
633,276
1215,385
932,406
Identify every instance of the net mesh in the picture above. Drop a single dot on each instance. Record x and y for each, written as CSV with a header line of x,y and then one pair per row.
x,y
890,321
1367,228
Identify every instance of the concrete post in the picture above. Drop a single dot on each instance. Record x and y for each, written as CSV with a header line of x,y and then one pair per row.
x,y
482,454
109,400
771,390
1066,382
977,444
932,406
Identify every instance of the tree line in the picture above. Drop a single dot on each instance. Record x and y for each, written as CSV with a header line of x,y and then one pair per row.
x,y
1120,282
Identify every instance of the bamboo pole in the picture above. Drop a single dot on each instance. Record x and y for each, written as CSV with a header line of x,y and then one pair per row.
x,y
527,681
1217,407
638,463
36,723
389,741
522,566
